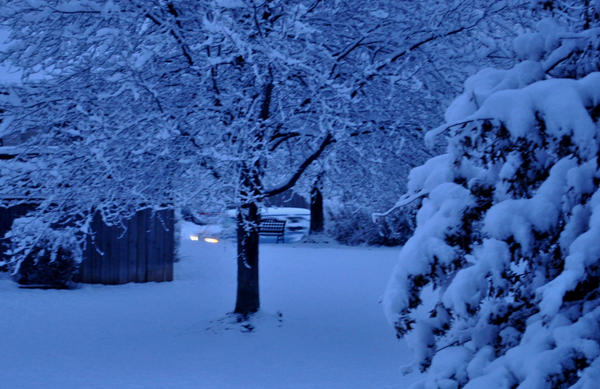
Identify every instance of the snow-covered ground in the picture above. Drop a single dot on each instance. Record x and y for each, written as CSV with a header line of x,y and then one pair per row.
x,y
332,333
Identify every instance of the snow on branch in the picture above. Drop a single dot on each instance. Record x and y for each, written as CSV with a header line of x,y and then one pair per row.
x,y
404,200
497,287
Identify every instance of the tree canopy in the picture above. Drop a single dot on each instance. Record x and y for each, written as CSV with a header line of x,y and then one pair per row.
x,y
132,104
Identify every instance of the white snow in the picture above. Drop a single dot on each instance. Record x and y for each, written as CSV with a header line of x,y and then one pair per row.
x,y
230,3
172,335
432,173
582,252
517,217
550,99
489,81
530,46
380,14
8,74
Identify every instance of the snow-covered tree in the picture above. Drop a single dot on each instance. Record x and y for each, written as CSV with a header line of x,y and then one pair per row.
x,y
418,56
129,104
498,286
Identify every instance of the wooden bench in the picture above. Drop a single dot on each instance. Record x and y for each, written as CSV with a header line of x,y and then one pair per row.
x,y
272,227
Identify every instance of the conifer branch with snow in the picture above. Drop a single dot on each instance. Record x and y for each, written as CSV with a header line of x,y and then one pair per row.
x,y
498,286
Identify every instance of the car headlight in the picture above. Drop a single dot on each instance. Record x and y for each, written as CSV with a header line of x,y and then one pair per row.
x,y
211,240
194,237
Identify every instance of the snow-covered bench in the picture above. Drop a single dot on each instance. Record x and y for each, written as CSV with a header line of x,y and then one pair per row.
x,y
272,227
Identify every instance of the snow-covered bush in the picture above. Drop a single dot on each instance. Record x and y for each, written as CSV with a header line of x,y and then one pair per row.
x,y
355,227
499,285
41,254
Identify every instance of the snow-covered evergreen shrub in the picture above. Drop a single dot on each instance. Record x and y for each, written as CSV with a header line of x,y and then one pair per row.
x,y
499,285
43,255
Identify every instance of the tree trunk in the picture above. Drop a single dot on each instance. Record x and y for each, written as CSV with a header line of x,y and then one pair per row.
x,y
316,208
247,301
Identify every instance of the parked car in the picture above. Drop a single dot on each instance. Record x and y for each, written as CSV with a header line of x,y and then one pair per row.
x,y
214,229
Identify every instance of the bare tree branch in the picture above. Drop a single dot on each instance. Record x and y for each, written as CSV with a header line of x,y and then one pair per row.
x,y
415,46
329,139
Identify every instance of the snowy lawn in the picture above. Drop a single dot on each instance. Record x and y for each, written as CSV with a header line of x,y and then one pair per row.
x,y
332,333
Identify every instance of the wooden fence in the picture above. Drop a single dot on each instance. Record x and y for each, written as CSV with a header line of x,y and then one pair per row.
x,y
143,252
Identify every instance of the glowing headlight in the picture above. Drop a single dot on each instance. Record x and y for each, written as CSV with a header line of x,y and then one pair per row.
x,y
193,237
211,240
